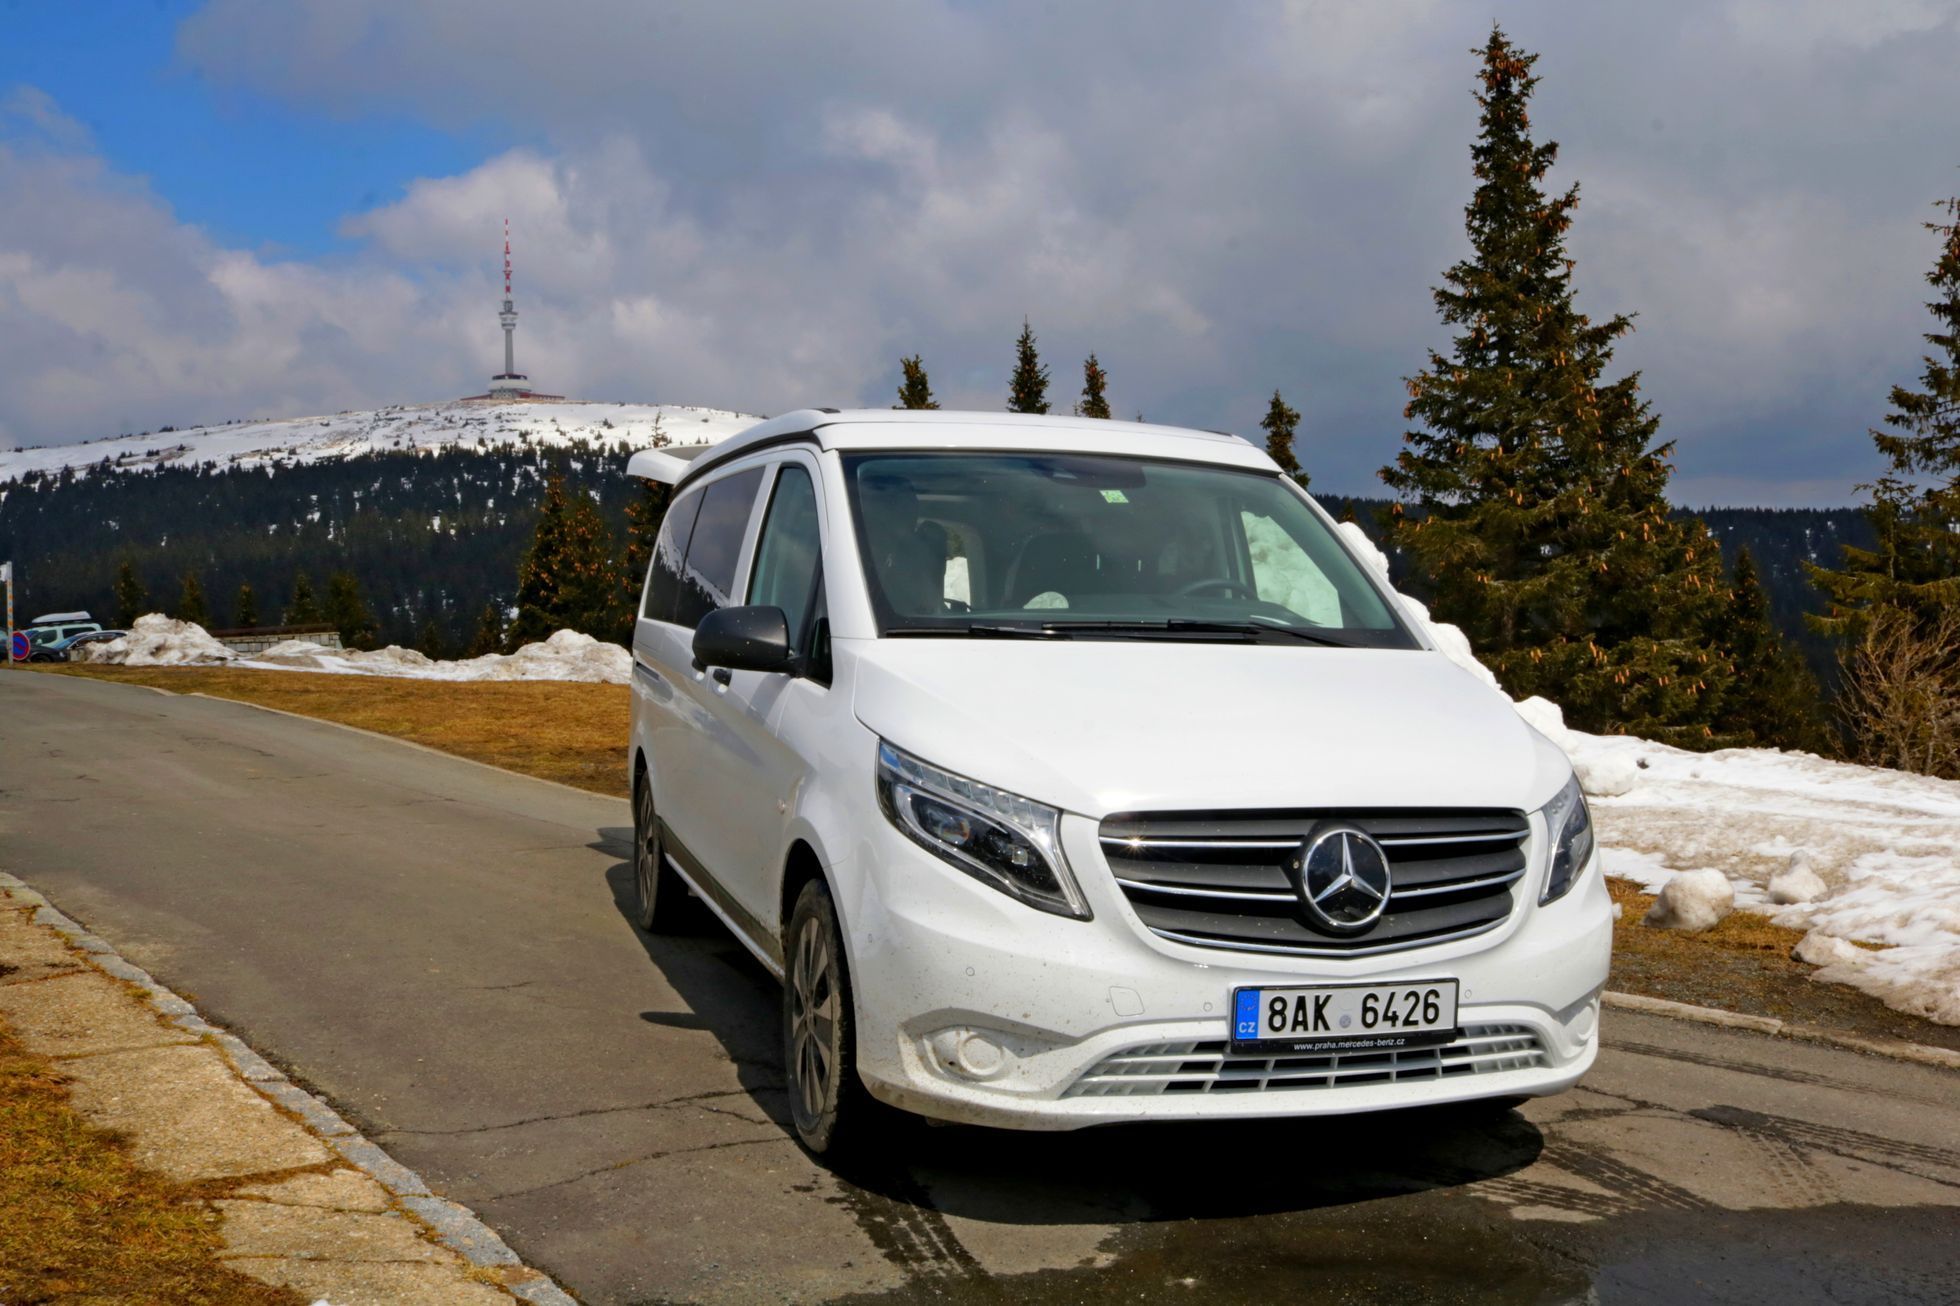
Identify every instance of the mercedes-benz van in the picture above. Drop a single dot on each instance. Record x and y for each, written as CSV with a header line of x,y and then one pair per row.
x,y
1072,771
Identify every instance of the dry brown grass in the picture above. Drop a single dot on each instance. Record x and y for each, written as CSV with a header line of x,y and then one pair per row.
x,y
1744,964
80,1222
574,734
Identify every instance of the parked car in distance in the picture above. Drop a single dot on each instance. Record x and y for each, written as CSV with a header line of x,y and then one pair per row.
x,y
52,628
63,650
1072,771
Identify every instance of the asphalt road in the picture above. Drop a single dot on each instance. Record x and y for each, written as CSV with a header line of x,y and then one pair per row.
x,y
442,951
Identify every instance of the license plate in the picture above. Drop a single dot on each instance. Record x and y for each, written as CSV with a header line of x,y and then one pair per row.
x,y
1344,1017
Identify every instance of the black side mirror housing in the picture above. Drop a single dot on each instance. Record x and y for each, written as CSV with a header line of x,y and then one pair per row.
x,y
744,639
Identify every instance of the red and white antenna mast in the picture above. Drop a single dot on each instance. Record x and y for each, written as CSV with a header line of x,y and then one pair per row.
x,y
509,315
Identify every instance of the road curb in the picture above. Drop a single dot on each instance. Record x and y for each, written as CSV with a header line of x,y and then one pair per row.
x,y
1897,1049
452,1224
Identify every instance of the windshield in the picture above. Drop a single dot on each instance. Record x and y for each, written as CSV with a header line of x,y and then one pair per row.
x,y
1080,545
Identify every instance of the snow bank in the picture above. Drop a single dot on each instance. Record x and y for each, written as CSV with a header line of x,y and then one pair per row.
x,y
157,641
567,655
1852,854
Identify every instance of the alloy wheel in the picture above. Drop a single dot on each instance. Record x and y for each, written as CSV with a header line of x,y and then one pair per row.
x,y
813,1019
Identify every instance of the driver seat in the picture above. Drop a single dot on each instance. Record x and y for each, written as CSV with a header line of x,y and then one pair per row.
x,y
1062,561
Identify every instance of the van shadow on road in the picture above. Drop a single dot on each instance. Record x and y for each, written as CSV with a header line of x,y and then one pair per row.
x,y
1114,1174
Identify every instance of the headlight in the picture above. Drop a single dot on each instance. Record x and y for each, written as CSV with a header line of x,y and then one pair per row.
x,y
1569,826
1010,842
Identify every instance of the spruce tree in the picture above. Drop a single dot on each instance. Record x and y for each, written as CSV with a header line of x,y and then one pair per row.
x,y
130,595
1540,518
1915,507
245,608
644,513
1094,382
303,609
568,579
1773,699
489,636
348,612
1028,389
1279,423
191,606
430,642
914,390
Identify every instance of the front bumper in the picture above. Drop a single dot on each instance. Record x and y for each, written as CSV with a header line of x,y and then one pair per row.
x,y
974,1008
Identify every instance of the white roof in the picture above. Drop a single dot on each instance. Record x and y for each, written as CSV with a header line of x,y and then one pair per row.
x,y
889,428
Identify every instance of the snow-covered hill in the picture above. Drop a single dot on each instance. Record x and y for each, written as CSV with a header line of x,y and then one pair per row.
x,y
292,440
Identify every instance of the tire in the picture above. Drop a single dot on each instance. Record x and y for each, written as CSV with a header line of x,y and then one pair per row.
x,y
828,1103
659,894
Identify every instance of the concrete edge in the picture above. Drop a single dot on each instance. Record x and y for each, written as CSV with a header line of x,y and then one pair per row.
x,y
453,1225
1896,1049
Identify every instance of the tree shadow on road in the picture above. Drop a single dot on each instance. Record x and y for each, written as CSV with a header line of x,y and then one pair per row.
x,y
1109,1174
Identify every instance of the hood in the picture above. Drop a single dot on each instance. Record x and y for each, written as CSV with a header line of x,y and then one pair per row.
x,y
1102,726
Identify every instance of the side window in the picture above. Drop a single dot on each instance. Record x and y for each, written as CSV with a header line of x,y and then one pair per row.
x,y
669,548
786,561
715,548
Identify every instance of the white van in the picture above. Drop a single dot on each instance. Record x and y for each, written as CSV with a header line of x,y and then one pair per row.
x,y
1074,771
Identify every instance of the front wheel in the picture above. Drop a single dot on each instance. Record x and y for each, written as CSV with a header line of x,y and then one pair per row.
x,y
828,1102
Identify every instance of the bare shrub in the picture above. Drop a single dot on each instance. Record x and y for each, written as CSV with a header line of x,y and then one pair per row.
x,y
1901,699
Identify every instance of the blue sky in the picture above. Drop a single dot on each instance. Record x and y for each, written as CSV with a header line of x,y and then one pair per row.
x,y
251,170
218,209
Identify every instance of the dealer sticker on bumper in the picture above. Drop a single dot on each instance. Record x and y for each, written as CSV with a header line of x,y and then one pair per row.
x,y
1344,1017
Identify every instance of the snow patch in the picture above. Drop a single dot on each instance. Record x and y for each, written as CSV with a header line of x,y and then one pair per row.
x,y
1692,901
1797,882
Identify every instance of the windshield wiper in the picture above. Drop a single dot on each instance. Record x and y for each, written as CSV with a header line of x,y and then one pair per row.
x,y
974,630
1258,628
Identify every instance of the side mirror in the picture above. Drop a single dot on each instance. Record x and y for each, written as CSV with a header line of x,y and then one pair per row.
x,y
744,639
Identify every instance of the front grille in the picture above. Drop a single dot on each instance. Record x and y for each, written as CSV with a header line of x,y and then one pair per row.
x,y
1155,1069
1218,879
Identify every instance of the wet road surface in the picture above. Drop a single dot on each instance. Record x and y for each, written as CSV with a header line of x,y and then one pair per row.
x,y
442,950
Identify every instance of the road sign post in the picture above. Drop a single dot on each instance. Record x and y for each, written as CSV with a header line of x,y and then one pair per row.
x,y
7,575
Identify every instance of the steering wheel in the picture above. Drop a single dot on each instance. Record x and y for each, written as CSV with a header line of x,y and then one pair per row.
x,y
1226,587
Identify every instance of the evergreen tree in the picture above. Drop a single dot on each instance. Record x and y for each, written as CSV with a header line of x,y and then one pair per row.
x,y
245,608
191,606
568,579
304,609
130,595
490,635
1774,699
1279,423
914,391
430,642
1540,517
348,612
1028,390
1915,507
1094,381
644,513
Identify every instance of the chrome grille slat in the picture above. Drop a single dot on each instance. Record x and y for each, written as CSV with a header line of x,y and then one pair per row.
x,y
1210,1066
1222,879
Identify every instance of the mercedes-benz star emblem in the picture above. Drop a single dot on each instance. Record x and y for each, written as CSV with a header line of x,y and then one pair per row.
x,y
1343,879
